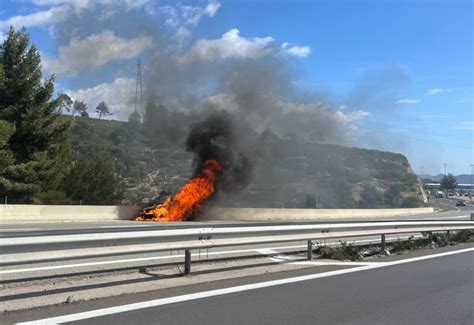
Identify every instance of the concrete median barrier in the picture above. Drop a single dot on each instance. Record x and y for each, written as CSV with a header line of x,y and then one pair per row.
x,y
259,214
84,213
40,213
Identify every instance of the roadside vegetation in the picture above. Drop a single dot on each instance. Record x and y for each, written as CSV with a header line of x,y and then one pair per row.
x,y
345,251
37,163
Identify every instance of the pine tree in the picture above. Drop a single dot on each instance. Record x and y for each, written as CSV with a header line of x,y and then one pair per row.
x,y
80,108
39,143
2,78
102,109
6,156
66,103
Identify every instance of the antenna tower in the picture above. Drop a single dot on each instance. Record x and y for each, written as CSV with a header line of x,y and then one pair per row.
x,y
139,89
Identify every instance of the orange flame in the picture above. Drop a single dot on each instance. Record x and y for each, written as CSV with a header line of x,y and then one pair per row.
x,y
187,201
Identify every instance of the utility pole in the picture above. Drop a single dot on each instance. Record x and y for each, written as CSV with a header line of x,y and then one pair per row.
x,y
139,89
421,171
445,190
470,193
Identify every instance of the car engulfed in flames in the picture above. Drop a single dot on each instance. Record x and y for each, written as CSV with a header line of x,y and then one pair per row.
x,y
188,201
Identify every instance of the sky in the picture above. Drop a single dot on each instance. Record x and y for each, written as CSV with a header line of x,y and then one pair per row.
x,y
399,74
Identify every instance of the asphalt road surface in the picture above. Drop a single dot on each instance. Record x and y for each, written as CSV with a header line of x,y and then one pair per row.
x,y
437,290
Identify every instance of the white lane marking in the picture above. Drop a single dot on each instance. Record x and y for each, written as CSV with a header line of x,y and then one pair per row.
x,y
293,260
457,217
337,263
18,229
57,267
128,226
266,251
142,259
441,218
225,291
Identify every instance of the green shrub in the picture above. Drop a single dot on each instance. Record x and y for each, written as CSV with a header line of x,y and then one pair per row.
x,y
343,252
406,245
452,238
370,198
411,202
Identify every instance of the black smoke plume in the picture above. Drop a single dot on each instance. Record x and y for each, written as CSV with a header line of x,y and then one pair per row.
x,y
214,138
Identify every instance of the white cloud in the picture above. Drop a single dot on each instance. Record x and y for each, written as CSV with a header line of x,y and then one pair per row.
x,y
435,91
80,5
118,95
76,4
191,15
185,15
95,51
358,115
408,101
60,10
182,18
173,19
301,51
39,18
182,33
233,46
348,118
230,45
212,8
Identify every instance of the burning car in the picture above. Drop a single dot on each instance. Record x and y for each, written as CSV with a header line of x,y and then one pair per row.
x,y
184,204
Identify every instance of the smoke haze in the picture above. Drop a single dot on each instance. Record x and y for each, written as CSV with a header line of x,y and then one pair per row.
x,y
232,98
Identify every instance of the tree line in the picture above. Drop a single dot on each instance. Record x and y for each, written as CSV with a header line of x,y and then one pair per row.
x,y
81,108
37,164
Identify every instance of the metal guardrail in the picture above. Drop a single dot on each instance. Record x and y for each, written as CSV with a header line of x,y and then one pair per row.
x,y
199,238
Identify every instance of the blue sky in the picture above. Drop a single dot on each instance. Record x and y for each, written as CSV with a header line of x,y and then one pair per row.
x,y
397,74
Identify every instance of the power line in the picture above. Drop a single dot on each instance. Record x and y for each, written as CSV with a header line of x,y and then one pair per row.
x,y
139,89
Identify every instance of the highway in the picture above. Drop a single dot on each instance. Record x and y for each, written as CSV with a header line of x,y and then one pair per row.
x,y
117,278
419,288
9,271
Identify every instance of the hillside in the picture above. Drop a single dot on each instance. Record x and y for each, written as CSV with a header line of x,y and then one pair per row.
x,y
303,175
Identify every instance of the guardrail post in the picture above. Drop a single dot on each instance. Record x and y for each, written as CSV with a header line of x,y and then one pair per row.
x,y
310,250
383,244
187,262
